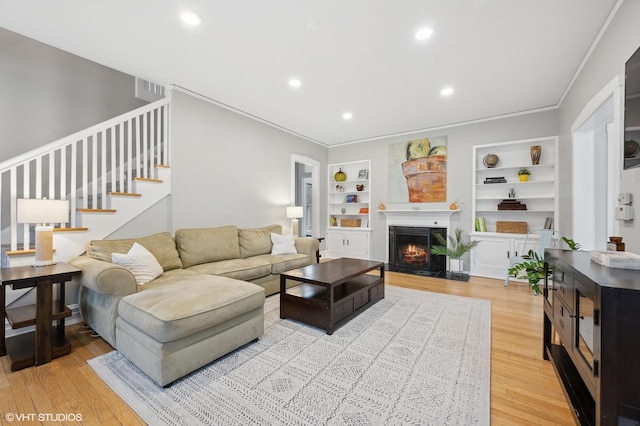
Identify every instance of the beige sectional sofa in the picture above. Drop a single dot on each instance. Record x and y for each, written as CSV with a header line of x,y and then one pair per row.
x,y
207,302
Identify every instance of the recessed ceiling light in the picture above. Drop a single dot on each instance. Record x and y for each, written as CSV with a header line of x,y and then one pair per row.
x,y
315,25
295,83
347,116
446,91
191,18
424,33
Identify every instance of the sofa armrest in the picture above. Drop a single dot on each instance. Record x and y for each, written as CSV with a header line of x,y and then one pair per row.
x,y
308,246
105,277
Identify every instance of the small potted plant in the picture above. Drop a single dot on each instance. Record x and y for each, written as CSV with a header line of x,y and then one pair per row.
x,y
454,250
523,174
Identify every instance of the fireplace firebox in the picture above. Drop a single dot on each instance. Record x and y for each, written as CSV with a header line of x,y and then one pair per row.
x,y
410,249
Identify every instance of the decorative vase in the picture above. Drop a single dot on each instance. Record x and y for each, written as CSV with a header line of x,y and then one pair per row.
x,y
490,160
536,150
359,187
340,176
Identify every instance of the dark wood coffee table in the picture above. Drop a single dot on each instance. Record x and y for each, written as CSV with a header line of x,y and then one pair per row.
x,y
331,293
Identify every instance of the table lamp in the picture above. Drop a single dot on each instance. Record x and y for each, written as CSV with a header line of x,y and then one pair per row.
x,y
43,213
294,213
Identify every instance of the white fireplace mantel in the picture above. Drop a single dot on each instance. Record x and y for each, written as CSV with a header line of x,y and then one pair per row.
x,y
430,218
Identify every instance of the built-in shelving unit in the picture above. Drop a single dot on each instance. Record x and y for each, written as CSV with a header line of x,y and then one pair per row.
x,y
539,194
349,210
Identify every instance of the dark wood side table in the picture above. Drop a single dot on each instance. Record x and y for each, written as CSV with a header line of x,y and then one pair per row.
x,y
47,341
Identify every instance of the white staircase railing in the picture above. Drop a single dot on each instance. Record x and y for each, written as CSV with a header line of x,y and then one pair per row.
x,y
85,168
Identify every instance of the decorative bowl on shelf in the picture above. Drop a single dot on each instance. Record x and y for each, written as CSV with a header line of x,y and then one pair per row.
x,y
490,160
359,187
631,148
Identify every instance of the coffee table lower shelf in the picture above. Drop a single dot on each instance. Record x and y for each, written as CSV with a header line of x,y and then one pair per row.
x,y
310,304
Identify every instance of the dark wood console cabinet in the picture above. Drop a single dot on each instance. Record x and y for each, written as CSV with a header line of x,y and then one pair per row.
x,y
592,336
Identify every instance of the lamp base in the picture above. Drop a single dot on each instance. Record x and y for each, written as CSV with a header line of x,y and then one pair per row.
x,y
44,246
294,227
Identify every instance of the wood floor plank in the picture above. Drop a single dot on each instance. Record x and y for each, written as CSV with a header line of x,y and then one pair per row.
x,y
524,388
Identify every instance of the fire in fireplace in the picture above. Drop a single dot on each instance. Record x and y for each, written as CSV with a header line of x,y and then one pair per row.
x,y
410,249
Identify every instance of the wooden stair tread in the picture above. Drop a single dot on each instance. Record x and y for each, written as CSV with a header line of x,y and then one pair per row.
x,y
70,229
21,252
97,210
126,194
147,179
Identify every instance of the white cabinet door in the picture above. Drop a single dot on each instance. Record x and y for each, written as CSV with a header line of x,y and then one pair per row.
x,y
342,243
490,258
358,244
336,243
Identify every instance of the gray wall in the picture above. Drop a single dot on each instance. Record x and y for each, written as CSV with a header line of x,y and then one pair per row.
x,y
618,43
460,140
46,94
228,169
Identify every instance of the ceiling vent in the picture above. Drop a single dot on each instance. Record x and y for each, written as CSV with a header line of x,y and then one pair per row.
x,y
148,91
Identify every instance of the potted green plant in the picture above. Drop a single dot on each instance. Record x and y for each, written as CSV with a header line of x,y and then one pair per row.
x,y
523,174
531,268
455,248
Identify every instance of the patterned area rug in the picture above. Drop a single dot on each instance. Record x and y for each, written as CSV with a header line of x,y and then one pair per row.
x,y
412,358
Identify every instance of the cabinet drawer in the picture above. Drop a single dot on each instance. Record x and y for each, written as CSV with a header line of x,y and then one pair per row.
x,y
562,322
376,292
360,299
342,310
563,287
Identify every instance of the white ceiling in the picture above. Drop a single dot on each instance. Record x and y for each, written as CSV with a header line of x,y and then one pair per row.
x,y
500,56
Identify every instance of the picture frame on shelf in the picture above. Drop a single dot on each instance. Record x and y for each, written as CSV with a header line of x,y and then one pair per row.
x,y
363,174
351,198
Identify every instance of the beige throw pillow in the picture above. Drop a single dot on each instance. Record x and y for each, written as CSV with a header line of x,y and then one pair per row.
x,y
142,264
283,244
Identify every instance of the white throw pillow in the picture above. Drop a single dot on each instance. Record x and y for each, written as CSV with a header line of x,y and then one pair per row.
x,y
283,244
142,264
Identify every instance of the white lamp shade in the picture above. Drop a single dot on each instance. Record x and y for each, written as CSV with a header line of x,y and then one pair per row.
x,y
294,212
42,211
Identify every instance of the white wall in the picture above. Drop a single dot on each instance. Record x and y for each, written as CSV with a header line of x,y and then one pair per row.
x,y
228,169
607,61
460,140
46,94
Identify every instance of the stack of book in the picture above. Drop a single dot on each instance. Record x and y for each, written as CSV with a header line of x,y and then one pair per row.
x,y
500,179
511,205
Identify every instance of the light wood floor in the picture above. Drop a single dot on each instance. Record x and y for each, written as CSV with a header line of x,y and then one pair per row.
x,y
524,388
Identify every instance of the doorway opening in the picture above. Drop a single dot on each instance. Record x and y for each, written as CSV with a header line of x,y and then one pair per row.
x,y
596,168
305,192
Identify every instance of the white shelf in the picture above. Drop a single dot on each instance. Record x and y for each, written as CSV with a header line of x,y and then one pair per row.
x,y
536,167
528,197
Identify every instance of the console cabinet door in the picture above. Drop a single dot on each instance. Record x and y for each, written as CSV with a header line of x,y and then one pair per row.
x,y
490,258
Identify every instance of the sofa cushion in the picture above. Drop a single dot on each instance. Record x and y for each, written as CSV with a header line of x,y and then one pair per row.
x,y
142,264
283,244
284,262
161,245
256,241
240,269
206,245
181,303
